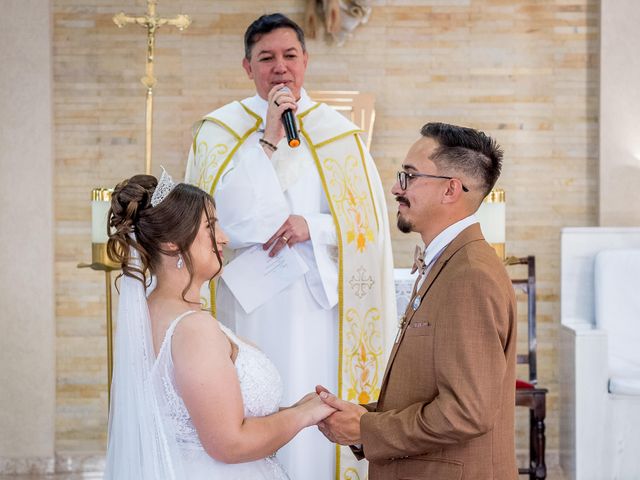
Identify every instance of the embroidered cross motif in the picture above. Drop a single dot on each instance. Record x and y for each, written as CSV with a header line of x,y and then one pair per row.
x,y
361,284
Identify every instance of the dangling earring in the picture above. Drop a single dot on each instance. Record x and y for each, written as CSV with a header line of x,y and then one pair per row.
x,y
180,262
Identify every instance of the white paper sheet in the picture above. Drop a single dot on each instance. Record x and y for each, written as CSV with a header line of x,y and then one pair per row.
x,y
253,277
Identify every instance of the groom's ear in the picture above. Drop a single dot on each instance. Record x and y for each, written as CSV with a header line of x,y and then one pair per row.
x,y
320,389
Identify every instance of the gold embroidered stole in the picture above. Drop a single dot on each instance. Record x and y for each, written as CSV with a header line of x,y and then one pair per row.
x,y
340,159
341,163
210,155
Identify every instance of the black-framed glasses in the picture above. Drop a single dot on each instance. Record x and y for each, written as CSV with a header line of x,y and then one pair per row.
x,y
404,177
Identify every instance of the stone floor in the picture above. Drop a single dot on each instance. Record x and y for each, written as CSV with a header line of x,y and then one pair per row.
x,y
555,473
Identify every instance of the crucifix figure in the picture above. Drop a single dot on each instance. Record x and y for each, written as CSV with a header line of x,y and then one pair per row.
x,y
152,23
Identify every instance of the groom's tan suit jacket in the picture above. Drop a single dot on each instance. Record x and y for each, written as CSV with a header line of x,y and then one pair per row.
x,y
446,408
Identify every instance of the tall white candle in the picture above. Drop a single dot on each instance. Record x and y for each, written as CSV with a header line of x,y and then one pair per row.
x,y
492,217
100,203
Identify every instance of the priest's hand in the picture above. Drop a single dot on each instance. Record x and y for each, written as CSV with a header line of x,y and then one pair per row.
x,y
343,426
278,101
293,230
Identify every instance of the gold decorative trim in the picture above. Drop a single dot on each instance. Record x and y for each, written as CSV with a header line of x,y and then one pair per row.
x,y
223,166
251,112
223,125
231,154
334,215
337,137
195,139
364,166
308,111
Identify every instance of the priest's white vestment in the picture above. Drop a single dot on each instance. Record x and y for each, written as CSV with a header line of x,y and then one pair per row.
x,y
335,325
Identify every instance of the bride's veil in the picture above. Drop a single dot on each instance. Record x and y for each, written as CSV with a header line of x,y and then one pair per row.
x,y
142,443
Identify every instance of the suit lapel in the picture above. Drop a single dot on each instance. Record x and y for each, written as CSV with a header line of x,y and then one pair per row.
x,y
470,234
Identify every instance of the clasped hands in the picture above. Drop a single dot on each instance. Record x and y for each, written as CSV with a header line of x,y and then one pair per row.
x,y
293,230
337,419
343,425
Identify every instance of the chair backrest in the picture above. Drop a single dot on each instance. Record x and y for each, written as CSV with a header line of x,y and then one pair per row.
x,y
359,107
617,307
528,286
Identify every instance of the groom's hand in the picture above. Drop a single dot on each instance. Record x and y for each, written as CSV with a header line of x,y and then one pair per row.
x,y
343,426
320,389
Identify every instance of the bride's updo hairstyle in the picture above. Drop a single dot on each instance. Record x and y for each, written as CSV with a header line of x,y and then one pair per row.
x,y
175,219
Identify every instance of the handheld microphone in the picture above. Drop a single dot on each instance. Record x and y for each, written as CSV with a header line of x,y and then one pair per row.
x,y
290,127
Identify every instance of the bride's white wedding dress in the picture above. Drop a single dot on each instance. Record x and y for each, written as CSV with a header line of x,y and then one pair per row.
x,y
261,389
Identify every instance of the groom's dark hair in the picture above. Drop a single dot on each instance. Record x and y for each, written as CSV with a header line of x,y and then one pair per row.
x,y
466,150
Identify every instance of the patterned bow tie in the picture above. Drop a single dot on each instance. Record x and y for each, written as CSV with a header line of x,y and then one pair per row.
x,y
418,260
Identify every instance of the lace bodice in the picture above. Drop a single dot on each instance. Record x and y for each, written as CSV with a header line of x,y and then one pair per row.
x,y
260,384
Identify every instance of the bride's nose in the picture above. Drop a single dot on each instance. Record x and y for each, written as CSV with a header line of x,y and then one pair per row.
x,y
221,237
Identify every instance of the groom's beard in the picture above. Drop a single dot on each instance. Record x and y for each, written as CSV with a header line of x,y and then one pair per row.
x,y
404,225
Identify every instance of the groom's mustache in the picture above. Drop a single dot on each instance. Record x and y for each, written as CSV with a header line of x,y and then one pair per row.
x,y
403,200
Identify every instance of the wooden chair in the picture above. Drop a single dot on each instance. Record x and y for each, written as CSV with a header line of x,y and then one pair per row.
x,y
528,394
359,107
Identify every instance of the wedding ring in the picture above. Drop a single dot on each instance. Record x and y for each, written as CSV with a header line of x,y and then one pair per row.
x,y
286,240
276,102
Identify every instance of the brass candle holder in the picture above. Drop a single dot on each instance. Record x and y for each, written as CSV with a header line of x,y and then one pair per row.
x,y
100,202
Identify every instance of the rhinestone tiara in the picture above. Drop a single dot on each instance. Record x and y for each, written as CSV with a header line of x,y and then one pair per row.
x,y
164,187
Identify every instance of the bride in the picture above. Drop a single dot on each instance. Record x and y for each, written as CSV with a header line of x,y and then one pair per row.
x,y
190,400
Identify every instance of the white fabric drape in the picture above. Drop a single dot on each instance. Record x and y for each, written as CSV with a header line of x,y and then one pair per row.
x,y
142,444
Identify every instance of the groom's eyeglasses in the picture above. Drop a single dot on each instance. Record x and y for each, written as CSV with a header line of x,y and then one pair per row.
x,y
404,177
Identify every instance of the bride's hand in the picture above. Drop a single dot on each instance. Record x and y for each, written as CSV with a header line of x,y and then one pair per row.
x,y
305,399
313,409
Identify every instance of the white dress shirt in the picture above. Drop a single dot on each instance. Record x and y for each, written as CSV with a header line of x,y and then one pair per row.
x,y
435,248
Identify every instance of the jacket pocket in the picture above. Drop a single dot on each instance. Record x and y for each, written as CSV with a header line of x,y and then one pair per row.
x,y
419,329
433,468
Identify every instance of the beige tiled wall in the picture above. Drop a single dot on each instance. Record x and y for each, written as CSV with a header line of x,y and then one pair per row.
x,y
525,71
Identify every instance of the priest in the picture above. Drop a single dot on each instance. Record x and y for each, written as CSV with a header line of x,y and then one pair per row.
x,y
323,199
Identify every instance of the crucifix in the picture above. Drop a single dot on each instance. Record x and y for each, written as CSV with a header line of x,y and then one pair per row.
x,y
152,23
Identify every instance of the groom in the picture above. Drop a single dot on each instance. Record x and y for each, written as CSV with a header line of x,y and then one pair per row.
x,y
446,408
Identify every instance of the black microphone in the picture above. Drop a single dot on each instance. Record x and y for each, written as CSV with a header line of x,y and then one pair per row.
x,y
290,127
